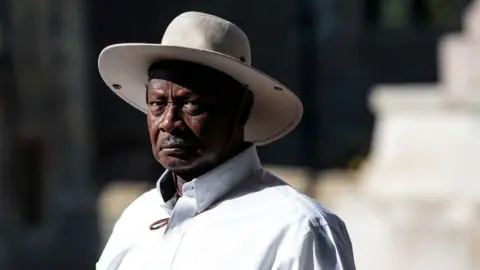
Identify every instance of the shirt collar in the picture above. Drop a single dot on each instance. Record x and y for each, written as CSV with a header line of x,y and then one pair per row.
x,y
211,186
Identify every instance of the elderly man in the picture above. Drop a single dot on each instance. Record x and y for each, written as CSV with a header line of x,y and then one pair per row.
x,y
215,207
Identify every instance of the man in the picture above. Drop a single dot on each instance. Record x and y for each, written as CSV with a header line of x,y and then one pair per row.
x,y
214,207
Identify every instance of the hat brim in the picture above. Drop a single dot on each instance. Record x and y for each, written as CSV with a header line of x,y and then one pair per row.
x,y
276,110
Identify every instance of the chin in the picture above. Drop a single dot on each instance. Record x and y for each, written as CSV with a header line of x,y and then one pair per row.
x,y
176,164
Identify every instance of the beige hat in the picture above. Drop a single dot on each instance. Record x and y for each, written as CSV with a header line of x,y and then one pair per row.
x,y
214,42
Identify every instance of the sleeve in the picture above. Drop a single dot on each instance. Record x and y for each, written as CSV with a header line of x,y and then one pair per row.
x,y
322,248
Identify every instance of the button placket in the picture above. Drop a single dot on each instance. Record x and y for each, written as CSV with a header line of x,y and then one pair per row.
x,y
185,209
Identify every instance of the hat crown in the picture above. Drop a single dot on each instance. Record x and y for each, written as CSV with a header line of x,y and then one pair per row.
x,y
202,31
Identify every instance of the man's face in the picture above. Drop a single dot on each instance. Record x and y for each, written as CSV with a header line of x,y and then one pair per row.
x,y
190,120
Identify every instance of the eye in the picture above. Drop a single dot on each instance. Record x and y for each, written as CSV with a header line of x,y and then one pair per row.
x,y
157,103
193,106
157,106
192,103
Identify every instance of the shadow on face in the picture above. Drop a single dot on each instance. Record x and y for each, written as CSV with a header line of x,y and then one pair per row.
x,y
193,115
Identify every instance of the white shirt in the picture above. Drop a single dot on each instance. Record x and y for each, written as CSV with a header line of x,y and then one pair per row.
x,y
236,217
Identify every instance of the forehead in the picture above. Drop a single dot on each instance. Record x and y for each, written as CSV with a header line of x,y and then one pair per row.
x,y
165,88
202,80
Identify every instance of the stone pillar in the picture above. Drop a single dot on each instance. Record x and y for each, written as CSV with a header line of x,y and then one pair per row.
x,y
460,59
424,145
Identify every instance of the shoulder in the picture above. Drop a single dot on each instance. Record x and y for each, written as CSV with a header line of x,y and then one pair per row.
x,y
310,216
132,224
137,217
315,225
311,210
144,201
140,210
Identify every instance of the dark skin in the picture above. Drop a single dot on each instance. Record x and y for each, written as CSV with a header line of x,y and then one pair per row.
x,y
196,118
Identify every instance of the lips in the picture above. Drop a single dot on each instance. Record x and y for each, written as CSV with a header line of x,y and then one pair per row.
x,y
178,150
176,146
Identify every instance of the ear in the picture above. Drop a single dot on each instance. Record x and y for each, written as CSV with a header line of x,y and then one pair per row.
x,y
245,109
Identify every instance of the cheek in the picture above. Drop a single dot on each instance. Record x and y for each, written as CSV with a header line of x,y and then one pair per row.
x,y
216,132
198,124
152,125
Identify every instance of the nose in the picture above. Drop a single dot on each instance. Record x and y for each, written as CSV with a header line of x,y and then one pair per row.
x,y
170,120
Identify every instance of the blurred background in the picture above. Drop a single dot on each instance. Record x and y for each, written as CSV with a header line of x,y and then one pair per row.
x,y
390,90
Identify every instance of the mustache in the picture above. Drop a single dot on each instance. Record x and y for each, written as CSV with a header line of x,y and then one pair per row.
x,y
172,141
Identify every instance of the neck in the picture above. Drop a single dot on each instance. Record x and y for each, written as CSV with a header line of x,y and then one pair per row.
x,y
181,178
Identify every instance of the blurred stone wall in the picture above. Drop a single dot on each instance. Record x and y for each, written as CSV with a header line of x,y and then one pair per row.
x,y
416,200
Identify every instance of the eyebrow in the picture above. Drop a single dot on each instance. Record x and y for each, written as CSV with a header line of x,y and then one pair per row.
x,y
184,95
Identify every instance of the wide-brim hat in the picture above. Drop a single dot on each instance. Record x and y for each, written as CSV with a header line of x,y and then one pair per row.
x,y
210,41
